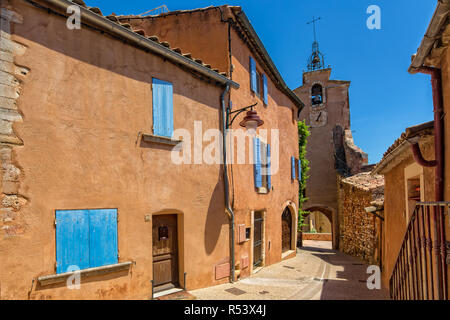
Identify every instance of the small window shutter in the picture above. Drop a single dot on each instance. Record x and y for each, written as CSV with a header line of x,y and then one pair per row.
x,y
299,169
257,162
252,74
265,89
293,168
103,237
162,108
72,239
269,174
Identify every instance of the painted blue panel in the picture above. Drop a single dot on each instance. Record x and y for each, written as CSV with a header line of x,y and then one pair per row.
x,y
103,237
293,168
72,239
162,108
257,162
265,96
269,173
252,74
299,169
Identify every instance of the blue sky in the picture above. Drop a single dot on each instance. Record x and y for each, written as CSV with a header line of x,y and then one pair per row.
x,y
384,97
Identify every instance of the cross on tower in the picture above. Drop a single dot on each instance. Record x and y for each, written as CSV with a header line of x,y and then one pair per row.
x,y
316,60
314,20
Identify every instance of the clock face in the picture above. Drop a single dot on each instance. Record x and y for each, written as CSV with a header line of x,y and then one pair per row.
x,y
318,118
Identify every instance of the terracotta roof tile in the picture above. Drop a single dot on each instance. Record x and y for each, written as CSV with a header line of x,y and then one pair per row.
x,y
365,181
95,10
140,31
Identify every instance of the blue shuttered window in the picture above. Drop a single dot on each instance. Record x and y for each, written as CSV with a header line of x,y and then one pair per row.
x,y
269,174
162,108
257,162
293,168
299,169
265,97
253,77
85,238
72,239
103,237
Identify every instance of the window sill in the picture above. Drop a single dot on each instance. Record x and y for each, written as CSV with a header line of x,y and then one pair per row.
x,y
160,140
262,190
62,277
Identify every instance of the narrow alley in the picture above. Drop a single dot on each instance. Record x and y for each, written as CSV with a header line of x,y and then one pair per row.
x,y
316,273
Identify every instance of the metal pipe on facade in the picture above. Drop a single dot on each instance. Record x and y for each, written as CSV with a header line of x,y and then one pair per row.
x,y
225,181
438,110
418,157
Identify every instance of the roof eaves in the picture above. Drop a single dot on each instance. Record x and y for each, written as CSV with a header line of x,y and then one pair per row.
x,y
401,144
94,16
439,19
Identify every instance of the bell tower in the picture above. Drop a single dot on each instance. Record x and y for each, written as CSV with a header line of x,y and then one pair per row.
x,y
331,151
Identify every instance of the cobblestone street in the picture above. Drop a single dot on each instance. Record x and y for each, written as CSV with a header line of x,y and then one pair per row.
x,y
316,273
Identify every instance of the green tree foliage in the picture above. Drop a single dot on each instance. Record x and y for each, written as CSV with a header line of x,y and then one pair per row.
x,y
303,134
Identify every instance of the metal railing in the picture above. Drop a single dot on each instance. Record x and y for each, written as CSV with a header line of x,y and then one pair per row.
x,y
420,272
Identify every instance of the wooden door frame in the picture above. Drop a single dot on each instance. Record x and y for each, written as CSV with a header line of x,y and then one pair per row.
x,y
294,222
263,239
180,242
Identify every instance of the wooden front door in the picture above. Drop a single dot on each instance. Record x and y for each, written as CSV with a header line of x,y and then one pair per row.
x,y
165,252
257,239
286,230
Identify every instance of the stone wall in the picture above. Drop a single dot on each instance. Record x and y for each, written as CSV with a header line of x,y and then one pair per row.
x,y
317,236
359,231
11,76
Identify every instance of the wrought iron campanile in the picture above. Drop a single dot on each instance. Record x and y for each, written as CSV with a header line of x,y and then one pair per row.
x,y
316,60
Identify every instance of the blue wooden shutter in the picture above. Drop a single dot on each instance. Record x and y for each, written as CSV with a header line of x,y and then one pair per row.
x,y
162,108
265,99
269,174
293,168
299,169
72,239
103,237
252,74
257,162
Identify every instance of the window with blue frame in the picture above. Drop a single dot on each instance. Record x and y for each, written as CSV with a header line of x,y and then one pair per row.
x,y
162,108
261,160
85,239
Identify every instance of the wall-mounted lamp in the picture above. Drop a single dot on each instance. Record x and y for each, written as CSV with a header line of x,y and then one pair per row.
x,y
251,121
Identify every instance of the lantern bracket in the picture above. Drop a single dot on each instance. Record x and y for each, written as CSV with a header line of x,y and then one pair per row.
x,y
236,113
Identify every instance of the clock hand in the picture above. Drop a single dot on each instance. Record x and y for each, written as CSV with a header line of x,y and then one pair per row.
x,y
320,114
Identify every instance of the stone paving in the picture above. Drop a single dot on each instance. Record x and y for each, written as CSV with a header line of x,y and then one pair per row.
x,y
316,273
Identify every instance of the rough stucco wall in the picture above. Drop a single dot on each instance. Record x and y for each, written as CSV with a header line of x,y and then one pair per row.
x,y
278,114
358,229
84,102
193,32
395,207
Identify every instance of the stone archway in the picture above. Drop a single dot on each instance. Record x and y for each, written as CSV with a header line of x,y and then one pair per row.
x,y
331,214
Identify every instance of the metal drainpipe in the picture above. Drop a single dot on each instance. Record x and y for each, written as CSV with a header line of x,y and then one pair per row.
x,y
438,128
436,83
418,157
225,180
